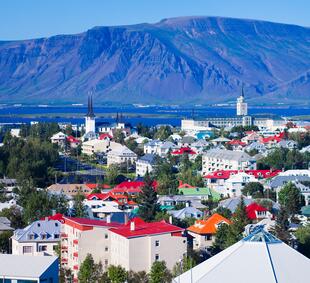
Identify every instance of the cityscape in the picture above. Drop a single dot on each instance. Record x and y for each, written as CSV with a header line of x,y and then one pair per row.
x,y
158,146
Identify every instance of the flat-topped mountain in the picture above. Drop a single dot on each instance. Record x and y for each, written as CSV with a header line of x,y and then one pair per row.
x,y
178,60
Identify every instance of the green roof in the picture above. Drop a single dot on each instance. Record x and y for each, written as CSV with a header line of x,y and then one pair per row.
x,y
166,207
200,192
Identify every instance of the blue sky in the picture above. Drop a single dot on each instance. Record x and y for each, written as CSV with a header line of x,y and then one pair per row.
x,y
21,19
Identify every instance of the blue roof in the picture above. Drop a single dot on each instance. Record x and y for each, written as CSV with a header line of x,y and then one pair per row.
x,y
260,235
149,158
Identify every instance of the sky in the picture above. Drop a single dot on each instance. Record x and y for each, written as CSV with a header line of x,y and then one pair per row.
x,y
24,19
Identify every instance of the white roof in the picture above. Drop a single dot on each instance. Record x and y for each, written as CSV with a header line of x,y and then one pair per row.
x,y
58,136
22,266
257,258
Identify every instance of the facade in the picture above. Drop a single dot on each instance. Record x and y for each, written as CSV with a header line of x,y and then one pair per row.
x,y
145,164
121,155
235,183
90,117
221,159
28,269
203,231
39,238
59,139
69,190
138,245
91,147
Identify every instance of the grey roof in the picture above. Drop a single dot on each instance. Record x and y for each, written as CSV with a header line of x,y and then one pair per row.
x,y
200,143
24,266
256,145
232,203
287,144
168,145
50,228
279,181
228,154
148,158
221,139
7,181
153,143
4,227
188,139
184,212
260,235
5,221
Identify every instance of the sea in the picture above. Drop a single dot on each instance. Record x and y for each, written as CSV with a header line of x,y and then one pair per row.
x,y
148,115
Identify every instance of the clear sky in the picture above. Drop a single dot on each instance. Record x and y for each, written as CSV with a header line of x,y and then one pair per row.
x,y
21,19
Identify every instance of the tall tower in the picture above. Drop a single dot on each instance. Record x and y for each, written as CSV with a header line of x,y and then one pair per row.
x,y
90,117
242,106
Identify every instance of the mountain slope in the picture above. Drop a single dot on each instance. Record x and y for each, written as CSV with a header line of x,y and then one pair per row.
x,y
178,60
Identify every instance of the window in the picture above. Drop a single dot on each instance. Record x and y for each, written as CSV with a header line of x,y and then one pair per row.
x,y
208,237
42,248
157,257
106,249
157,243
27,249
106,262
56,236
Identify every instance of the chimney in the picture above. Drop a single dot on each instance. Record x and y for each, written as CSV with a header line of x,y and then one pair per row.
x,y
126,219
132,226
187,204
53,212
170,219
109,218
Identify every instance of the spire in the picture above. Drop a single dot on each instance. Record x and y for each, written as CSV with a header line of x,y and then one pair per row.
x,y
242,91
90,110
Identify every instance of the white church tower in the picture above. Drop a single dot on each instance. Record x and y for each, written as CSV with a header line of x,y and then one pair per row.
x,y
242,106
90,117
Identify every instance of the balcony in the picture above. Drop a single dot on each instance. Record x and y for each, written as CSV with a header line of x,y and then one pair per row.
x,y
64,248
64,235
75,242
76,267
75,254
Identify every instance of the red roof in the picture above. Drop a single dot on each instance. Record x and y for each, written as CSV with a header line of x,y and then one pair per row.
x,y
130,187
252,208
57,216
236,142
72,139
183,150
144,229
96,196
225,174
100,186
105,136
90,222
181,185
276,138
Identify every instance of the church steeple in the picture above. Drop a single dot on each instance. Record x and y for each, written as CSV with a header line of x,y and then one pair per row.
x,y
242,91
90,110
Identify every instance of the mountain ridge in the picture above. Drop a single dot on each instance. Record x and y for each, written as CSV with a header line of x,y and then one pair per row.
x,y
185,60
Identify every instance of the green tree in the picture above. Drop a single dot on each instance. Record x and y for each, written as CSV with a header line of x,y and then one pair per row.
x,y
5,241
221,241
159,273
111,174
117,274
303,238
280,230
78,206
186,264
90,272
291,199
224,211
119,136
137,277
254,189
14,214
148,206
163,133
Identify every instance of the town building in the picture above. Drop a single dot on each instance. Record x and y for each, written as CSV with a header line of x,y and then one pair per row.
x,y
69,190
221,159
203,231
263,258
138,245
5,225
145,164
28,269
94,146
39,238
121,155
242,106
59,139
186,212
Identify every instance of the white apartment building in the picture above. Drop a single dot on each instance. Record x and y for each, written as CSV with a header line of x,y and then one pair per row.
x,y
121,155
81,236
235,183
221,159
39,238
93,146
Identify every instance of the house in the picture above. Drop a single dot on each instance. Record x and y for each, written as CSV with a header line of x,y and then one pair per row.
x,y
130,188
8,184
257,146
8,204
151,147
184,150
186,212
93,146
232,203
69,190
105,136
102,208
220,141
289,144
80,236
59,139
137,245
165,147
39,238
251,137
200,146
263,258
145,164
25,268
72,141
202,193
221,159
236,144
186,141
203,231
169,202
256,212
121,155
5,225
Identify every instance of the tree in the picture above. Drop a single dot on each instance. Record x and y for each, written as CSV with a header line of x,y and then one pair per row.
x,y
148,205
159,273
186,264
90,272
78,207
137,277
224,211
117,274
14,214
119,136
280,230
291,199
163,133
5,241
111,174
303,238
221,241
254,189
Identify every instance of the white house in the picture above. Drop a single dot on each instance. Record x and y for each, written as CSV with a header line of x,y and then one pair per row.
x,y
121,155
59,138
145,164
235,183
93,146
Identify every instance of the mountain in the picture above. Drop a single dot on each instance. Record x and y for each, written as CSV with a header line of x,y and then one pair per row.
x,y
178,60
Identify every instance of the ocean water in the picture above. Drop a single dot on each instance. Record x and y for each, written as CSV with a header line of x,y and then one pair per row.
x,y
150,116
